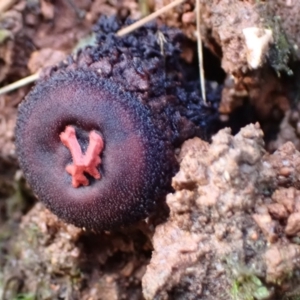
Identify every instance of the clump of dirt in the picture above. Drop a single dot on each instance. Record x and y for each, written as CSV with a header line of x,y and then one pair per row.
x,y
233,225
227,26
289,130
49,259
257,43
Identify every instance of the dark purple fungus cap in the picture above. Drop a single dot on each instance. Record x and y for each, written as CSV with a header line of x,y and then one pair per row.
x,y
133,96
135,163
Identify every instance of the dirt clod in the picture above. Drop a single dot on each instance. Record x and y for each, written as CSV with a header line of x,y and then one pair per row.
x,y
228,224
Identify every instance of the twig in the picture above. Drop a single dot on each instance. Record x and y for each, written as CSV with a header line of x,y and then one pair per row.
x,y
19,83
149,18
200,53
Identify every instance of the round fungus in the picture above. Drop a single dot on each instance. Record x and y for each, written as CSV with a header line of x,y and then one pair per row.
x,y
96,135
66,111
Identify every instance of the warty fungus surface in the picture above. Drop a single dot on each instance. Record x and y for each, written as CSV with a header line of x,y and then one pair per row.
x,y
96,135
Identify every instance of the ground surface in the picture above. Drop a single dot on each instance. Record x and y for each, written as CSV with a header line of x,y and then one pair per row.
x,y
234,224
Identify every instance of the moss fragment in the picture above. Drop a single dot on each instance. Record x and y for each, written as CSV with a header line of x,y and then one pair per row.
x,y
281,52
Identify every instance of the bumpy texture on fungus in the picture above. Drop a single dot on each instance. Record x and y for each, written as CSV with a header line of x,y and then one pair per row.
x,y
128,91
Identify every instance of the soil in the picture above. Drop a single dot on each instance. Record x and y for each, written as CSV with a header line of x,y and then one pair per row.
x,y
234,214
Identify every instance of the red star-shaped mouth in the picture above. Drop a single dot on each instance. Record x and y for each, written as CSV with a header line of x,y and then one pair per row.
x,y
82,163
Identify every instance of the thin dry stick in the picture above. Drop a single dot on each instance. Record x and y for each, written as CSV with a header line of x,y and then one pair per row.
x,y
19,83
200,53
149,18
121,32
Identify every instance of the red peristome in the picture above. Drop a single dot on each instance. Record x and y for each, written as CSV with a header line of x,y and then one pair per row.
x,y
87,162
